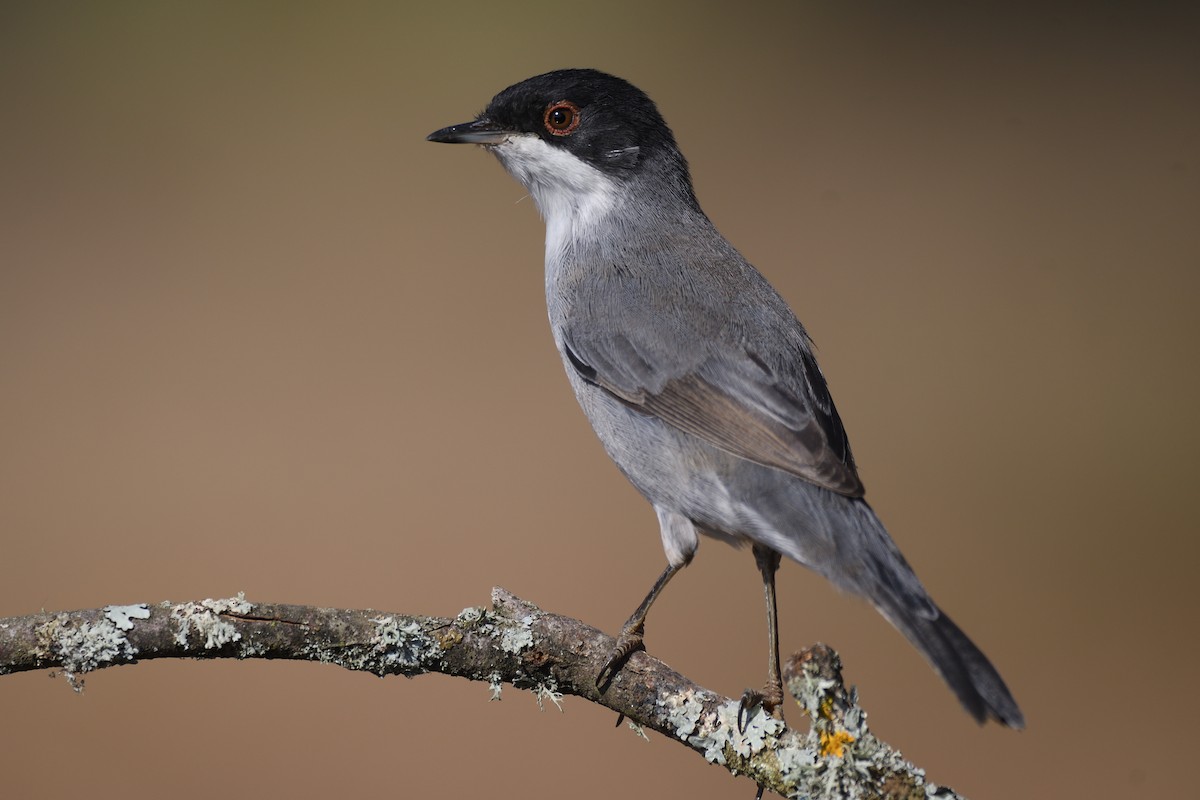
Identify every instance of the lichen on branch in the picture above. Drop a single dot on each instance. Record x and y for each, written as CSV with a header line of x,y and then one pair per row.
x,y
512,642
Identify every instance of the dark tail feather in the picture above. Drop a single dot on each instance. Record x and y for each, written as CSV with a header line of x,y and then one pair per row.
x,y
846,542
970,675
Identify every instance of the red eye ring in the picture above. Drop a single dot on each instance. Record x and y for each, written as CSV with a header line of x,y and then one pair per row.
x,y
561,118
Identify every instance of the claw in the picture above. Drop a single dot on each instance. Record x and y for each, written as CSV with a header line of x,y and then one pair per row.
x,y
769,699
751,700
629,641
633,630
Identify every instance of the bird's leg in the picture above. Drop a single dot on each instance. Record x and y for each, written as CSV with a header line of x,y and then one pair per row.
x,y
630,638
771,697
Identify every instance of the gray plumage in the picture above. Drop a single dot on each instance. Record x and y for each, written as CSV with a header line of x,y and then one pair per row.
x,y
695,374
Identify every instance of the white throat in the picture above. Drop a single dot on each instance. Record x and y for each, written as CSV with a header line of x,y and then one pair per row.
x,y
572,195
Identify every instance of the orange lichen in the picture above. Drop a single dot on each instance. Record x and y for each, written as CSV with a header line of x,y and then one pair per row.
x,y
826,709
834,744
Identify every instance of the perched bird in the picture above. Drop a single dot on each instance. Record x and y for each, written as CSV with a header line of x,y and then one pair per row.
x,y
695,374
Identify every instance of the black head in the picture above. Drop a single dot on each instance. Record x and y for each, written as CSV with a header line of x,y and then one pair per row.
x,y
602,120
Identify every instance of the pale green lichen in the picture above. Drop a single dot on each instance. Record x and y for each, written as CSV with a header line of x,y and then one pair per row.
x,y
683,713
761,731
402,643
87,646
495,686
714,747
234,605
794,762
123,616
852,769
548,691
517,636
633,726
471,616
813,692
720,730
205,619
513,636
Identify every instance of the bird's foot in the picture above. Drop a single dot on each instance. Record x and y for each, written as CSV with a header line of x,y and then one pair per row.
x,y
770,699
628,641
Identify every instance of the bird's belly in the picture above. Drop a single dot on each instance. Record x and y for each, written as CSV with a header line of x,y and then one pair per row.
x,y
672,469
726,496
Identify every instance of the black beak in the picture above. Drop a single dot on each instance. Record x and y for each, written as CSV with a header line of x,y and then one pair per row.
x,y
481,131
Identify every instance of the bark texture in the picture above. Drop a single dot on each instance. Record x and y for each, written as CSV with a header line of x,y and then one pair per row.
x,y
512,642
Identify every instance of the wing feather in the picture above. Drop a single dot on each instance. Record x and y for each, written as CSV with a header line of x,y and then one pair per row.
x,y
741,405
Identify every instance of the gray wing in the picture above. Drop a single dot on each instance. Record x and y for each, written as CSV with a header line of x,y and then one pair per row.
x,y
756,402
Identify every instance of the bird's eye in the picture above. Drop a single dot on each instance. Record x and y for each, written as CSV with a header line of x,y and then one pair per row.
x,y
561,118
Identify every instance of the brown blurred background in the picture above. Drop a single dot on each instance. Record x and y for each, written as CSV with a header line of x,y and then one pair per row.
x,y
256,334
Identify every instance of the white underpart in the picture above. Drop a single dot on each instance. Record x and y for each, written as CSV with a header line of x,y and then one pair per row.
x,y
679,537
572,195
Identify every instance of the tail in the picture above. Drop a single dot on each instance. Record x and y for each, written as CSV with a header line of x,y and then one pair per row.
x,y
886,579
961,664
846,542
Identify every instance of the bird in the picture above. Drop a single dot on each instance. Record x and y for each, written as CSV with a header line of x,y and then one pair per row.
x,y
696,375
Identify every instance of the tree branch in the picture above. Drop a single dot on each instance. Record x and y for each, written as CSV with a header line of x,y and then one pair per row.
x,y
513,642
